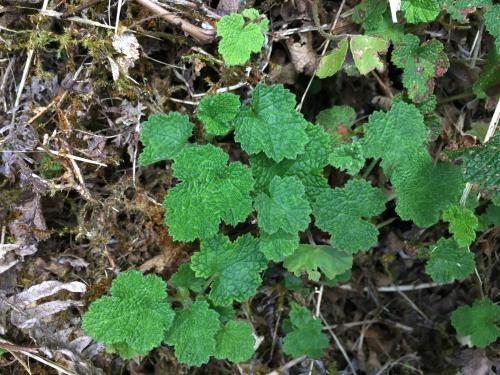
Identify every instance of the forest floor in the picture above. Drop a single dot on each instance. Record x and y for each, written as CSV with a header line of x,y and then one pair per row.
x,y
75,207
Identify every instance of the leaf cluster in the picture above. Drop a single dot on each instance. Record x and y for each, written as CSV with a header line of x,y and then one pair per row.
x,y
138,317
278,192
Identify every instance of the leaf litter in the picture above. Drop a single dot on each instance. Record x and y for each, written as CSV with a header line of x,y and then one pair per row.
x,y
69,225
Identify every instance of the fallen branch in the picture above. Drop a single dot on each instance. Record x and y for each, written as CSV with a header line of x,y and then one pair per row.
x,y
396,288
201,35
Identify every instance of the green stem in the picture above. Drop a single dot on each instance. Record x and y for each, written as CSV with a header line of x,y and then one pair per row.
x,y
386,222
370,168
207,284
449,99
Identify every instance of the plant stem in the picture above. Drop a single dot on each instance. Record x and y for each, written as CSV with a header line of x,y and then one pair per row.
x,y
449,99
370,168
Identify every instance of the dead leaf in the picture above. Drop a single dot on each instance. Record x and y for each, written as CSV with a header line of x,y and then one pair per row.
x,y
47,289
26,313
302,53
29,317
115,69
30,224
127,45
474,362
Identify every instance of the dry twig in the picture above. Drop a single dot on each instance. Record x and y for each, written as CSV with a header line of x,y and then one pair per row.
x,y
203,36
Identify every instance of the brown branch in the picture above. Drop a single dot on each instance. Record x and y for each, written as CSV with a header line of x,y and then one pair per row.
x,y
80,8
201,35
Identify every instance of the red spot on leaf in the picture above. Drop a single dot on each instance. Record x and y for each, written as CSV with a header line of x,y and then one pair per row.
x,y
341,129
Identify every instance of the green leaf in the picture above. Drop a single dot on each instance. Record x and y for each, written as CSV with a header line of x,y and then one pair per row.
x,y
490,217
306,337
448,261
279,245
315,156
421,64
185,278
385,28
369,13
332,61
234,267
463,224
342,278
492,24
345,223
315,258
218,111
293,283
459,10
285,208
240,38
271,124
164,136
427,106
307,167
134,319
424,190
495,197
417,11
482,164
210,191
348,157
339,115
394,136
478,322
489,79
235,342
193,333
366,50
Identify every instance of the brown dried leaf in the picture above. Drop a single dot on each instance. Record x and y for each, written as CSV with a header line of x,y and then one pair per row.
x,y
303,56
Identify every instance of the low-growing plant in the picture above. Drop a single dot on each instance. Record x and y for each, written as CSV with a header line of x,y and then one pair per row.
x,y
279,191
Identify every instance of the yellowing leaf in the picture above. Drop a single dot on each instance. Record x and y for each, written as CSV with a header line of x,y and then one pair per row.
x,y
312,258
366,50
332,62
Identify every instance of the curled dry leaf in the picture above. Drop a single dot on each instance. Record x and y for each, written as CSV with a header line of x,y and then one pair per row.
x,y
47,289
30,223
26,314
31,316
